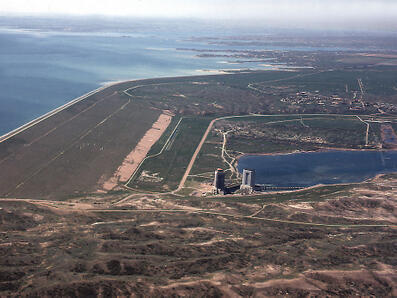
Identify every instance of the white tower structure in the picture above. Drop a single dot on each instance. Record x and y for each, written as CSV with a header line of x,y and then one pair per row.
x,y
248,180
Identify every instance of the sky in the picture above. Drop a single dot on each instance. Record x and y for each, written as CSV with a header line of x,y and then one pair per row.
x,y
369,12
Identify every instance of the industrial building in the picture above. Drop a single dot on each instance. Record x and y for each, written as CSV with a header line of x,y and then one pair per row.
x,y
219,181
248,181
247,186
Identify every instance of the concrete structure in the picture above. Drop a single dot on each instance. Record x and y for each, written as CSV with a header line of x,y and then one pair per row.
x,y
248,181
219,181
248,178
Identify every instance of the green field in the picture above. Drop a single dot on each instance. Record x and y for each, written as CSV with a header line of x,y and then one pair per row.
x,y
163,172
380,82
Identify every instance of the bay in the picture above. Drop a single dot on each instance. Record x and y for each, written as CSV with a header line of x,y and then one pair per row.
x,y
40,71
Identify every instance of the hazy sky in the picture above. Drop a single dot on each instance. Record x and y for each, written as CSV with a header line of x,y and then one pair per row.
x,y
305,11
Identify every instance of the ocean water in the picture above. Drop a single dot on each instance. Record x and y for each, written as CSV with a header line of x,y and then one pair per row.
x,y
312,168
40,71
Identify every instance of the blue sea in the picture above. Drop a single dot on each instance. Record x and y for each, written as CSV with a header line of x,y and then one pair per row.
x,y
312,168
40,71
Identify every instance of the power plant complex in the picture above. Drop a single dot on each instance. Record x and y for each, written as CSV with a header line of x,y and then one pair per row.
x,y
247,185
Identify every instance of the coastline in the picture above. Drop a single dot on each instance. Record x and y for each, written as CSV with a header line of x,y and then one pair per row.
x,y
55,111
103,86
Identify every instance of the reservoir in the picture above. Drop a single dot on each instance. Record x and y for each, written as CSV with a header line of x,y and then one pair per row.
x,y
311,168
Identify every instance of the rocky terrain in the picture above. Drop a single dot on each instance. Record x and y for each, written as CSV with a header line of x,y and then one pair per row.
x,y
334,240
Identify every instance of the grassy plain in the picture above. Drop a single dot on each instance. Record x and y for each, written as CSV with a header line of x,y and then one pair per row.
x,y
163,172
75,150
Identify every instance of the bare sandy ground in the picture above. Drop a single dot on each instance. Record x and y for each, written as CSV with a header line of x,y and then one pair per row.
x,y
135,157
